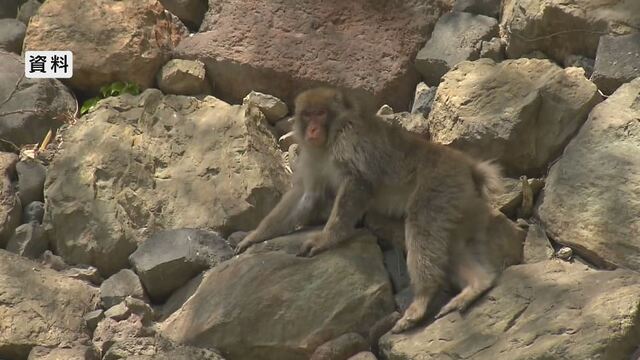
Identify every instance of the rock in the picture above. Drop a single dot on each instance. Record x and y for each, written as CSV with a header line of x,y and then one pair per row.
x,y
293,48
240,302
118,312
592,197
285,141
28,10
382,327
10,208
141,36
537,247
170,258
235,238
136,165
412,122
423,99
31,176
9,8
30,309
138,306
396,266
565,253
284,126
580,61
120,285
342,347
184,77
492,49
550,308
93,318
510,201
33,212
560,28
521,112
179,297
385,110
29,240
364,355
457,37
157,348
88,273
190,12
55,262
617,61
273,108
77,352
110,331
33,106
482,7
12,34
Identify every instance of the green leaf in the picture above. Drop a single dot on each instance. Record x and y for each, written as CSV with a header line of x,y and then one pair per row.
x,y
104,91
131,88
88,105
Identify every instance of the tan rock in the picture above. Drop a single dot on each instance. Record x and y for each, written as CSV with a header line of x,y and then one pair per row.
x,y
10,208
184,77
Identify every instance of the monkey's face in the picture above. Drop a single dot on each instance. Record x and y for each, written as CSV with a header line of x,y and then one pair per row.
x,y
320,113
316,123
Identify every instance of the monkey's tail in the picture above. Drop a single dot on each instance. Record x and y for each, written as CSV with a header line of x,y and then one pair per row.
x,y
487,176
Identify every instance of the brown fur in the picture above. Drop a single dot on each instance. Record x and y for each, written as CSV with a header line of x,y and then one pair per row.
x,y
367,163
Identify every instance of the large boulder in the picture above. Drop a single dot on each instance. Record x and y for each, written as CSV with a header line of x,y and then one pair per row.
x,y
10,207
591,199
30,107
521,112
39,306
139,164
547,310
617,61
561,28
281,47
271,304
12,34
111,41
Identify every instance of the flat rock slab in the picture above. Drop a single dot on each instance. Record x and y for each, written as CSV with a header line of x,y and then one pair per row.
x,y
39,306
546,310
592,194
281,47
270,304
617,61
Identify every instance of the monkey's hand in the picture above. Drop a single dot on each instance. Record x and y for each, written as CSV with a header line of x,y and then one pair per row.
x,y
243,245
315,245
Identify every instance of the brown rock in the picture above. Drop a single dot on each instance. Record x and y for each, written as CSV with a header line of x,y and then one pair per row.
x,y
280,48
190,12
111,41
341,348
184,77
10,209
78,352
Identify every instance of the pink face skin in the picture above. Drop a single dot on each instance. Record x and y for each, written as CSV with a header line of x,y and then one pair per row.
x,y
316,131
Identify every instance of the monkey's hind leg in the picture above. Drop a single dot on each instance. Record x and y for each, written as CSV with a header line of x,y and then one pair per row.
x,y
426,234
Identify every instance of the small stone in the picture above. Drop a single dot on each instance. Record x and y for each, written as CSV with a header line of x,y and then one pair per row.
x,y
29,240
120,285
565,253
385,110
423,99
118,312
93,318
183,77
33,212
273,108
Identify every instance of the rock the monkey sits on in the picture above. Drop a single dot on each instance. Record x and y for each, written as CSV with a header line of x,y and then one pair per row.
x,y
359,162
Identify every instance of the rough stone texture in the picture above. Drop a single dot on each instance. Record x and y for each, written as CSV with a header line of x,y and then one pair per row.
x,y
492,49
190,12
30,107
93,318
591,199
617,61
564,27
273,108
281,47
120,285
342,347
110,331
364,355
10,209
412,122
184,77
258,306
33,212
170,258
481,7
28,10
111,41
546,310
28,240
139,164
78,352
457,37
9,8
12,34
521,112
31,299
580,61
510,201
31,176
536,246
157,348
423,99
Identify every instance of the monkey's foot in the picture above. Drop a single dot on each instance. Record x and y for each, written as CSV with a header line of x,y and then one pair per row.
x,y
405,323
315,245
244,244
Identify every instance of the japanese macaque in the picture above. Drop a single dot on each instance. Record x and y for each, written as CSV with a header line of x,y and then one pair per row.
x,y
358,162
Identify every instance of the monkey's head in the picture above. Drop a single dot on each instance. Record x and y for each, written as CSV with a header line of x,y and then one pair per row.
x,y
320,113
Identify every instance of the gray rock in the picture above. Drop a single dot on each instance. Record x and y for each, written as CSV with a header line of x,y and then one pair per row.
x,y
423,99
157,348
28,10
235,238
184,77
396,266
76,352
168,259
617,61
537,246
257,305
273,108
10,207
364,355
118,312
109,332
35,105
12,34
33,212
342,347
457,37
284,126
190,12
31,177
120,285
591,198
549,309
480,7
29,240
492,49
93,318
580,61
